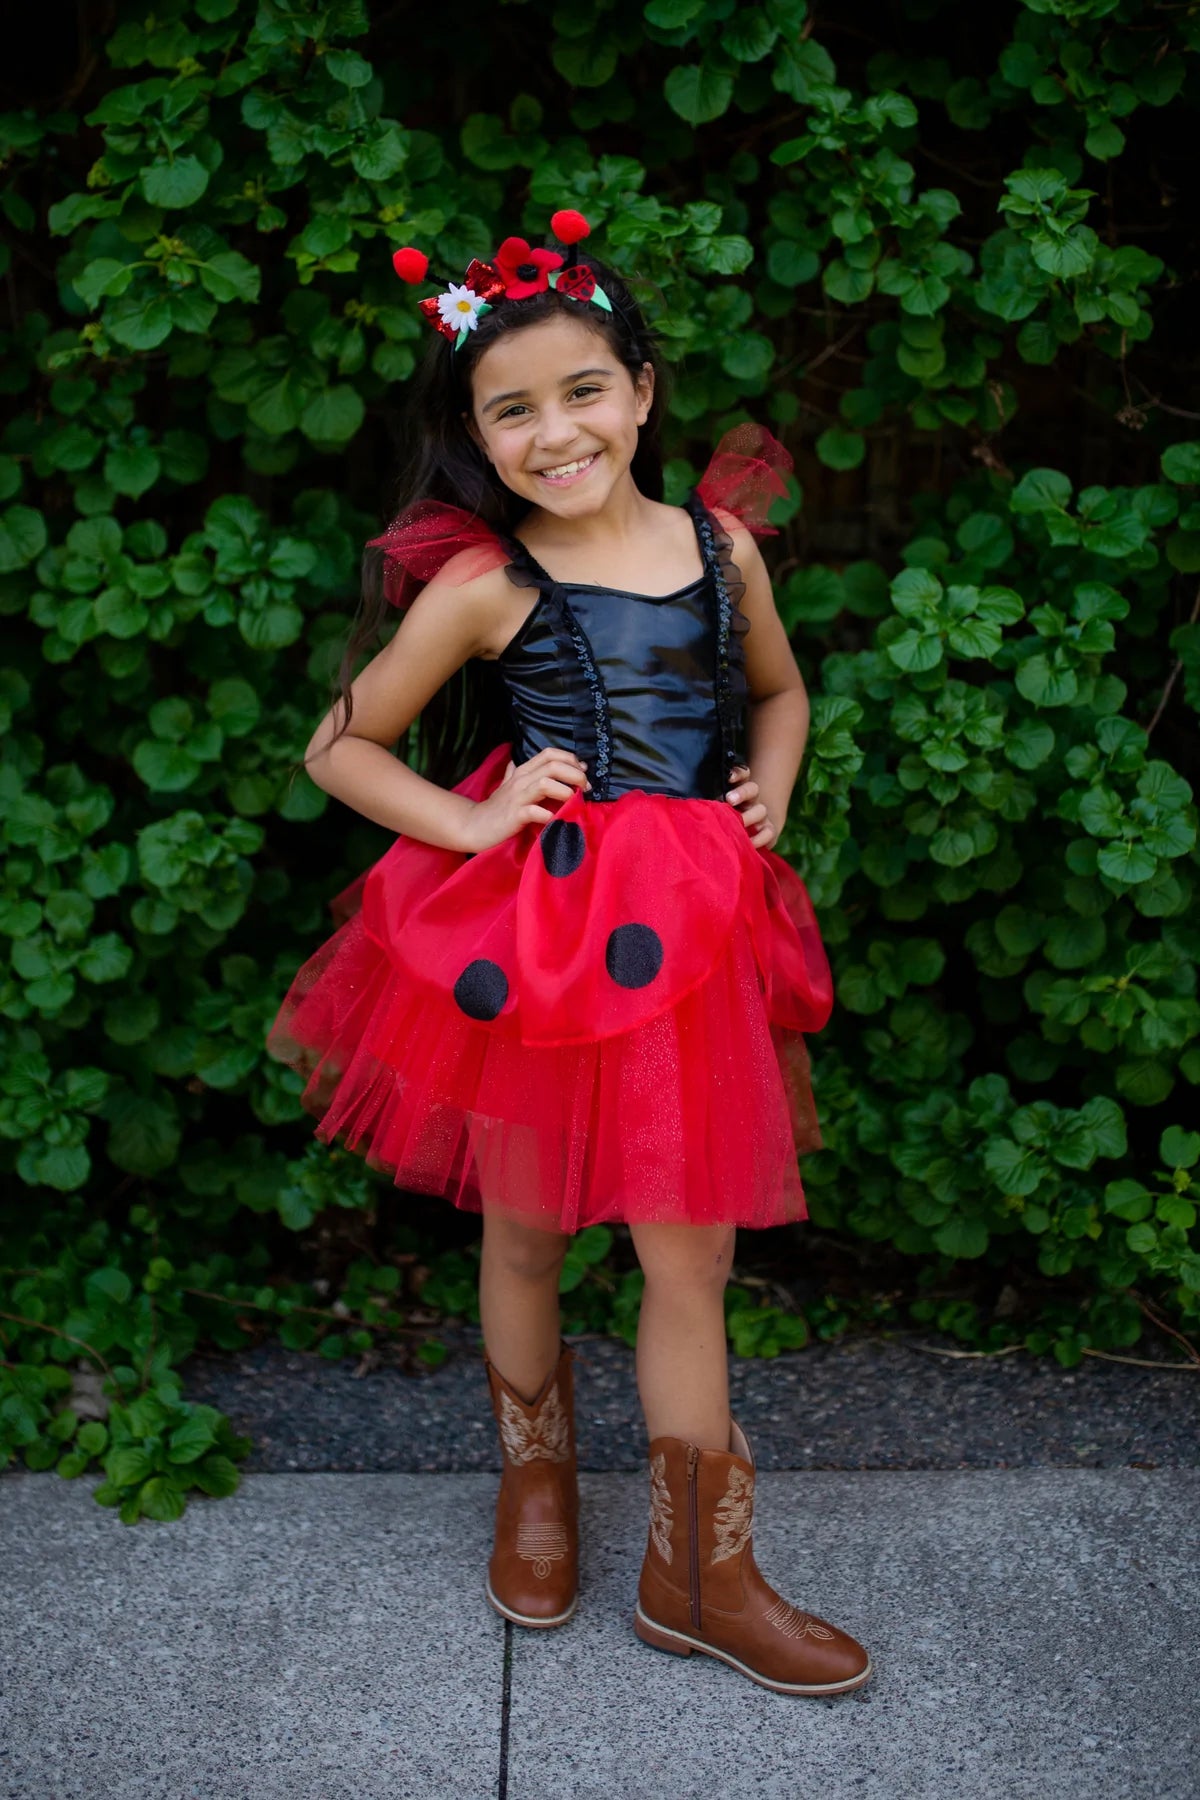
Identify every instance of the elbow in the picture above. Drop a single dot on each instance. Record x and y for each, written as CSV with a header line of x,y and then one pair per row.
x,y
317,756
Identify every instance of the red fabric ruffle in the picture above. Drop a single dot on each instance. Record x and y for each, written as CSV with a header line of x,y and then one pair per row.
x,y
745,475
606,1086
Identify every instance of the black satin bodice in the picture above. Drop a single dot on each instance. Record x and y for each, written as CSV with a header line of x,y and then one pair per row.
x,y
648,691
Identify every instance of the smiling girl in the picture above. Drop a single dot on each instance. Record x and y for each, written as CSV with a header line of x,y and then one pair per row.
x,y
576,986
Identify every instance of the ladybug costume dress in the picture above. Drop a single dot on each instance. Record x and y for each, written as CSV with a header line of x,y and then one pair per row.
x,y
600,1018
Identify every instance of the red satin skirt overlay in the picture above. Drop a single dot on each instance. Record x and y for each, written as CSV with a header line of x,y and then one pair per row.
x,y
595,1021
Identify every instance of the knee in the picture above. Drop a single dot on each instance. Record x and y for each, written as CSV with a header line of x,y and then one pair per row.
x,y
683,1260
523,1251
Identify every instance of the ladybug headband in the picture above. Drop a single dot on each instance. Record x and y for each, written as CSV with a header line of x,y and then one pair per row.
x,y
515,273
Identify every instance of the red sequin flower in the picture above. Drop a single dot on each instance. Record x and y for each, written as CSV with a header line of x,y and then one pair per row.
x,y
524,271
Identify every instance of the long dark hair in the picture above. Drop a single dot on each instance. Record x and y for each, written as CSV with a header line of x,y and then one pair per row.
x,y
469,716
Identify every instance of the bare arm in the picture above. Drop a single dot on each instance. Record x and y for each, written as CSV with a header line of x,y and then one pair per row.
x,y
778,713
445,626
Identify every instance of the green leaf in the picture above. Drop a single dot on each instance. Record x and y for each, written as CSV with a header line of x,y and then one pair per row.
x,y
961,1238
1144,1080
1127,862
1128,1200
128,1465
175,184
1072,942
108,1285
22,537
333,415
131,469
1180,1149
1046,684
748,357
140,327
348,68
1041,490
749,34
100,278
670,15
1181,462
916,651
839,449
697,92
163,1499
191,1440
145,1134
217,1476
1029,744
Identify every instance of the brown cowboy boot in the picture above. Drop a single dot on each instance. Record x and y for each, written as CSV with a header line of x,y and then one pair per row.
x,y
701,1589
533,1577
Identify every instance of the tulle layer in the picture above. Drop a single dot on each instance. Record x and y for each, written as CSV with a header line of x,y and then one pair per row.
x,y
666,1081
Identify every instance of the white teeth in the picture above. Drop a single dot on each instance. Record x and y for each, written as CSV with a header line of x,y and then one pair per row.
x,y
569,468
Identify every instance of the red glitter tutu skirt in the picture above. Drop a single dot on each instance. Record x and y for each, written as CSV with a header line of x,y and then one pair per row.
x,y
601,1019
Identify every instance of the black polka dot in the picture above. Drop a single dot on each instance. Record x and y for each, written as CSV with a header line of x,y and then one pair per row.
x,y
481,989
634,955
563,846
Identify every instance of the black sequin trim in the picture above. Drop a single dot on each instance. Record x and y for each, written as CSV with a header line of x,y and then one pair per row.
x,y
723,685
593,723
600,769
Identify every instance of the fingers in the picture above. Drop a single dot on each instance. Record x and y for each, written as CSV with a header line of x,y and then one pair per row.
x,y
553,754
548,789
747,790
556,765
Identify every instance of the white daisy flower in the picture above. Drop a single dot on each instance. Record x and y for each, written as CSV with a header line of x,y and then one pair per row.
x,y
460,306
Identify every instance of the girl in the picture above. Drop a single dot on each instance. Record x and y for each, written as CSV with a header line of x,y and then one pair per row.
x,y
575,987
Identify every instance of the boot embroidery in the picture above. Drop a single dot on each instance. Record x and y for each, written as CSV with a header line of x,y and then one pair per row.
x,y
793,1623
542,1545
547,1435
660,1507
731,1522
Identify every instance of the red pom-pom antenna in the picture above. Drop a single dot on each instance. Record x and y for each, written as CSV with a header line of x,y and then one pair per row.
x,y
569,226
411,265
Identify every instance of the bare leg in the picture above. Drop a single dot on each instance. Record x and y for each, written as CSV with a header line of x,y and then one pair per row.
x,y
683,1377
518,1300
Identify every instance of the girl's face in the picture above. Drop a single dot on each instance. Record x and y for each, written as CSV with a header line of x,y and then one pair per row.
x,y
557,413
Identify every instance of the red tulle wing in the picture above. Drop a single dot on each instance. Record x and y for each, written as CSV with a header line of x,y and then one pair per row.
x,y
426,537
746,473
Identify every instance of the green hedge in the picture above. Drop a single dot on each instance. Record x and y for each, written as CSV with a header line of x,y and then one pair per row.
x,y
932,253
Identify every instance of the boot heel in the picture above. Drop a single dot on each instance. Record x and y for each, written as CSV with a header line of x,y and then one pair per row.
x,y
662,1640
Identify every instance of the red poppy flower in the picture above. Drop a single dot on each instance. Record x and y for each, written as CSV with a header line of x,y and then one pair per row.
x,y
524,271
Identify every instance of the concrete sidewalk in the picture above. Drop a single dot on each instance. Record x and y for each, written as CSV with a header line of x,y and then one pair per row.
x,y
325,1637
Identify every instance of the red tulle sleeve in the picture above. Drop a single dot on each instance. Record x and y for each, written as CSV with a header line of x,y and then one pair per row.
x,y
426,537
746,473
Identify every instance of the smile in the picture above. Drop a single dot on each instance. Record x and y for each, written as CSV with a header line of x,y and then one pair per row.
x,y
568,471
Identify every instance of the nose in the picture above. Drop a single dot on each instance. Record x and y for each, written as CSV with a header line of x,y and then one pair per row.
x,y
556,429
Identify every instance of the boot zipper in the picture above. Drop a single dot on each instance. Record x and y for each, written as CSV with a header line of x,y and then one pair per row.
x,y
693,1458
